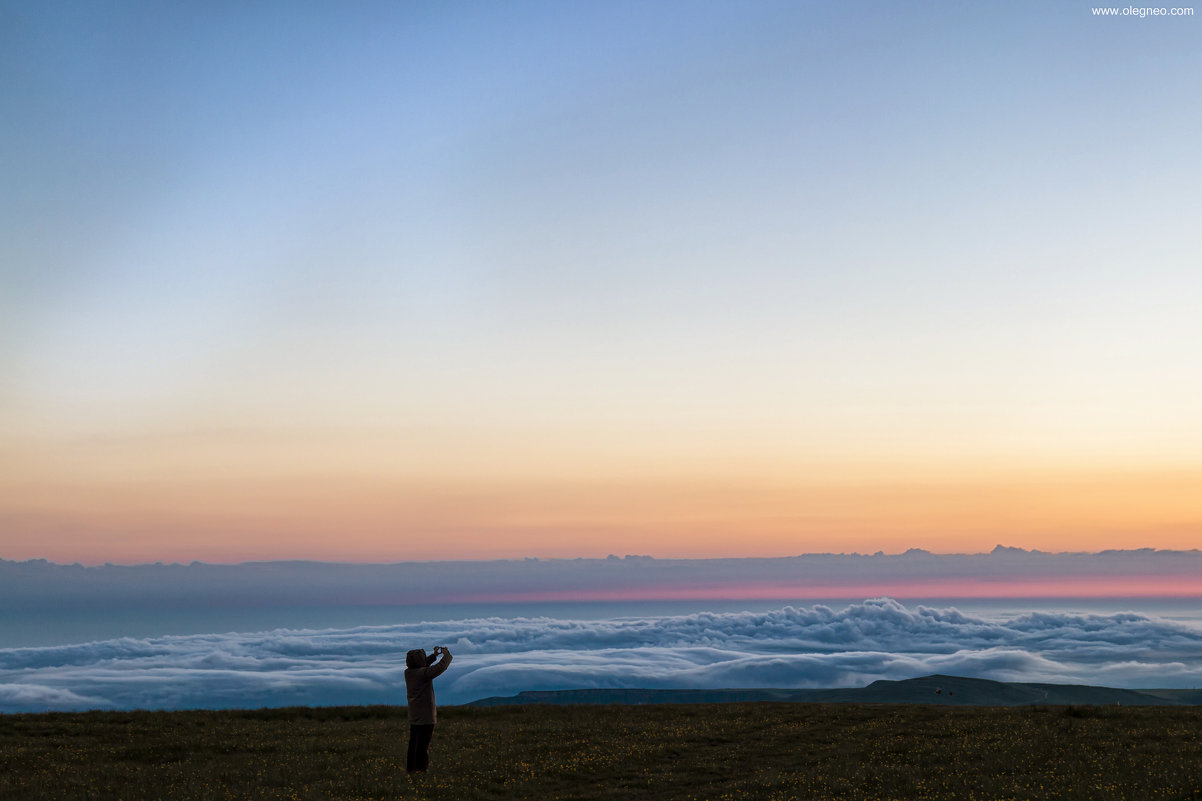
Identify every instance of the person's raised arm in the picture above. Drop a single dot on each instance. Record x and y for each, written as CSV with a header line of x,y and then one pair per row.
x,y
436,670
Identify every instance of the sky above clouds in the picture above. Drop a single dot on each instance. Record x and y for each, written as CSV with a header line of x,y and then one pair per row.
x,y
407,281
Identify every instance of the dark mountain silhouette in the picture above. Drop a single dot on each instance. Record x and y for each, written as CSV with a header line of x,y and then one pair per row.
x,y
937,689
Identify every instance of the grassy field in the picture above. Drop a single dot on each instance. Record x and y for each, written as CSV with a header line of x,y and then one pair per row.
x,y
706,751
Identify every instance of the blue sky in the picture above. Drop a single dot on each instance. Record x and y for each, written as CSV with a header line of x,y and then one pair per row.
x,y
773,236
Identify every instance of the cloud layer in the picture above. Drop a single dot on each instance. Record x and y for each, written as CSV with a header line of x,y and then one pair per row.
x,y
790,647
1004,572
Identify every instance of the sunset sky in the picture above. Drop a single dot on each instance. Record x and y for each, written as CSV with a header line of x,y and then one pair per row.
x,y
390,281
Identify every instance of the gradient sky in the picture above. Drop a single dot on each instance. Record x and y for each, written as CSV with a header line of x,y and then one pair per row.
x,y
461,280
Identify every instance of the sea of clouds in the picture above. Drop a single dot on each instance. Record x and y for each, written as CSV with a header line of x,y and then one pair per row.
x,y
790,647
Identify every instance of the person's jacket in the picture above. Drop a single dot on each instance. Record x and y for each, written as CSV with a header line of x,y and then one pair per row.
x,y
419,690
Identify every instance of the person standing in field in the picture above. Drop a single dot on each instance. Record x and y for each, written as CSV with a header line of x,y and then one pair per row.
x,y
420,672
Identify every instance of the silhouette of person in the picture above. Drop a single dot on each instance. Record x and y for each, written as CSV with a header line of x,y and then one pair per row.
x,y
420,672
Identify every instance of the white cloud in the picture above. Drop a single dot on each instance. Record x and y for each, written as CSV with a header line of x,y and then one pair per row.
x,y
810,647
39,698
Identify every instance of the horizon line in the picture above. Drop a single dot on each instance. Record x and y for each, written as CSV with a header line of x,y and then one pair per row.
x,y
997,550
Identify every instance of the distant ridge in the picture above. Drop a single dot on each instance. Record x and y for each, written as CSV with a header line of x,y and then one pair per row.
x,y
936,689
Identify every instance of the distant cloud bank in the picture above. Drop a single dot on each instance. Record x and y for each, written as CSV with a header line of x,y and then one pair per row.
x,y
790,647
1004,572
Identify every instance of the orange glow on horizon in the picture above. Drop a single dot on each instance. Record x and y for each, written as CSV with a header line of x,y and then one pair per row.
x,y
172,500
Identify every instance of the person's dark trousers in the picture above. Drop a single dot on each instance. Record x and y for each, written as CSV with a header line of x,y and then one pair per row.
x,y
419,747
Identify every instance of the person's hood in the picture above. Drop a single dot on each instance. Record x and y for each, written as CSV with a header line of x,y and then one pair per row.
x,y
415,658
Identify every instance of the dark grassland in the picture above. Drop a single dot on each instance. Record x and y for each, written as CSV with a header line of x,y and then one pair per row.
x,y
703,751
